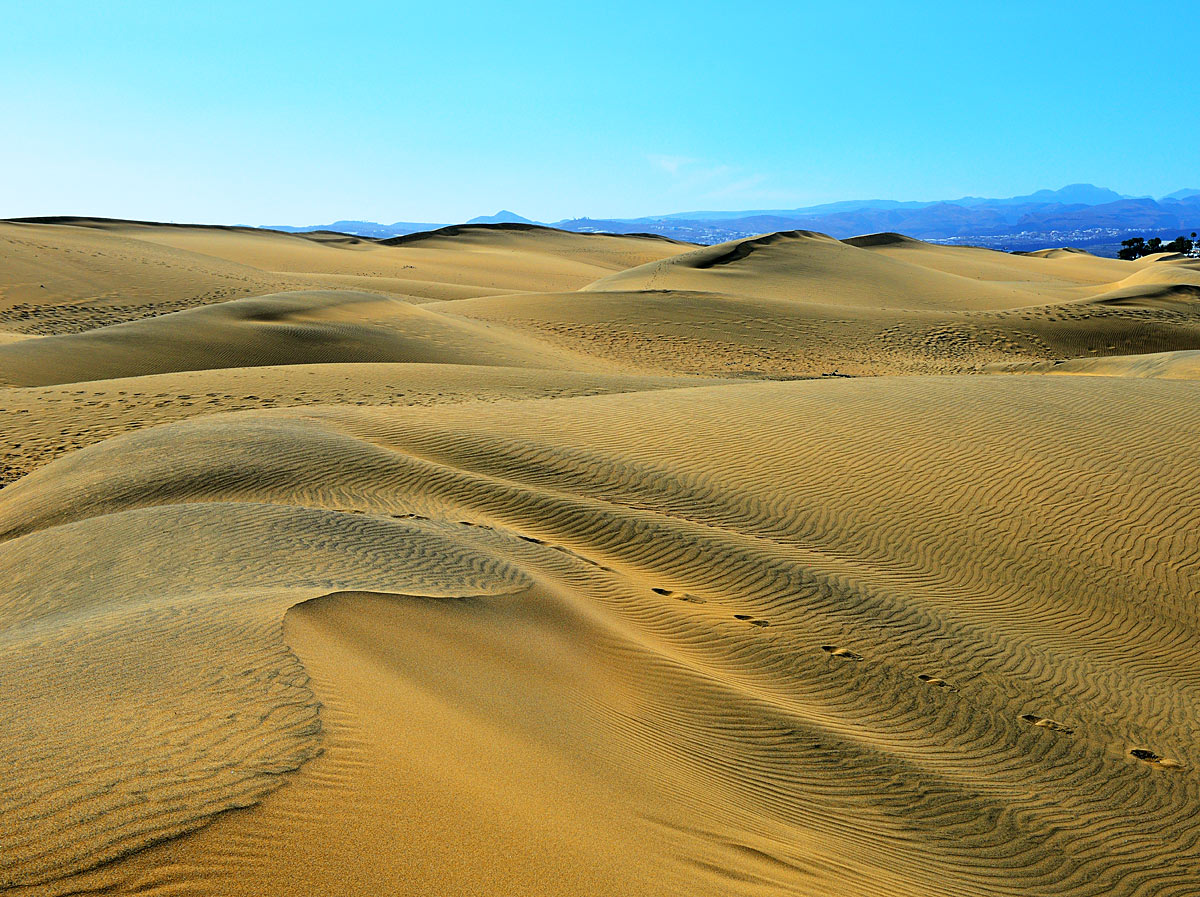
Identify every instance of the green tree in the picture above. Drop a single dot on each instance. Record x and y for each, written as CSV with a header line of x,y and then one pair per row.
x,y
1133,248
1137,247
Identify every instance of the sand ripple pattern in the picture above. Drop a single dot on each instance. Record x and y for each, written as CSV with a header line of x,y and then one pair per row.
x,y
146,684
946,626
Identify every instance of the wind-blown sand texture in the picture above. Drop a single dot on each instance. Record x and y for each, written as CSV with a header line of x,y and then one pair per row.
x,y
600,584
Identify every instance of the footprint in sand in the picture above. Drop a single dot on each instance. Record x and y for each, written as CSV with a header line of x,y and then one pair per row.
x,y
844,653
1043,722
562,549
747,618
1148,756
936,681
679,596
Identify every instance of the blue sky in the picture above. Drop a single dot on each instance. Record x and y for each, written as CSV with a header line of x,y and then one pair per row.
x,y
302,113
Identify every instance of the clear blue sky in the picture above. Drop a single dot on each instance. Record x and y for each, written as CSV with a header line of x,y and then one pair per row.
x,y
301,113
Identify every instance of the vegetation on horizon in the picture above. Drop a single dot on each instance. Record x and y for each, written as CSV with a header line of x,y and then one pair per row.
x,y
1137,247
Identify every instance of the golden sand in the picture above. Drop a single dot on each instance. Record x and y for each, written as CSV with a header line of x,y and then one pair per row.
x,y
561,564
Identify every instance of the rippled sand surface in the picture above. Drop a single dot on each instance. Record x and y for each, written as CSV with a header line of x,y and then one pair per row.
x,y
597,586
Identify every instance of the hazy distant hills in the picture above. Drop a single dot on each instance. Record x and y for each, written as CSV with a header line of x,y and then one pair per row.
x,y
1084,194
1078,214
396,229
359,228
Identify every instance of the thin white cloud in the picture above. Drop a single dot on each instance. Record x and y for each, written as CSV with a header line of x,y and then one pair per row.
x,y
701,179
672,165
744,186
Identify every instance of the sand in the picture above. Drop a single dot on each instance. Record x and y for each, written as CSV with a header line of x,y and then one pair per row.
x,y
607,587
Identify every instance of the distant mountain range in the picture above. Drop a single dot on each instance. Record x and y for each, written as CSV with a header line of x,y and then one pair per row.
x,y
1079,215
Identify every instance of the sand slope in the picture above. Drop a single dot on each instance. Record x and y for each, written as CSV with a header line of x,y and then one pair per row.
x,y
884,271
1169,365
763,712
284,328
478,257
41,423
803,304
733,334
787,305
63,278
457,584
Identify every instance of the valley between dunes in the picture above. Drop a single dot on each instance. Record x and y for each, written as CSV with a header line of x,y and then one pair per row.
x,y
501,560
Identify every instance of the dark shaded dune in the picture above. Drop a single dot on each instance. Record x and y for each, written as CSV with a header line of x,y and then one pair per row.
x,y
96,222
286,328
458,230
728,254
455,230
534,231
886,238
648,236
1173,297
1029,541
323,237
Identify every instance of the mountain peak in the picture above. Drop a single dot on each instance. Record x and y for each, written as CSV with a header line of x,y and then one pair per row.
x,y
1072,194
504,216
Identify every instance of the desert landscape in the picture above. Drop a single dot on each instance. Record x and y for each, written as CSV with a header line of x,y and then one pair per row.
x,y
502,560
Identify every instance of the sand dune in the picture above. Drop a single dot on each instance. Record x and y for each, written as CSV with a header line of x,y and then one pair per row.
x,y
64,278
65,275
42,423
340,592
1168,365
680,701
808,267
807,305
284,328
